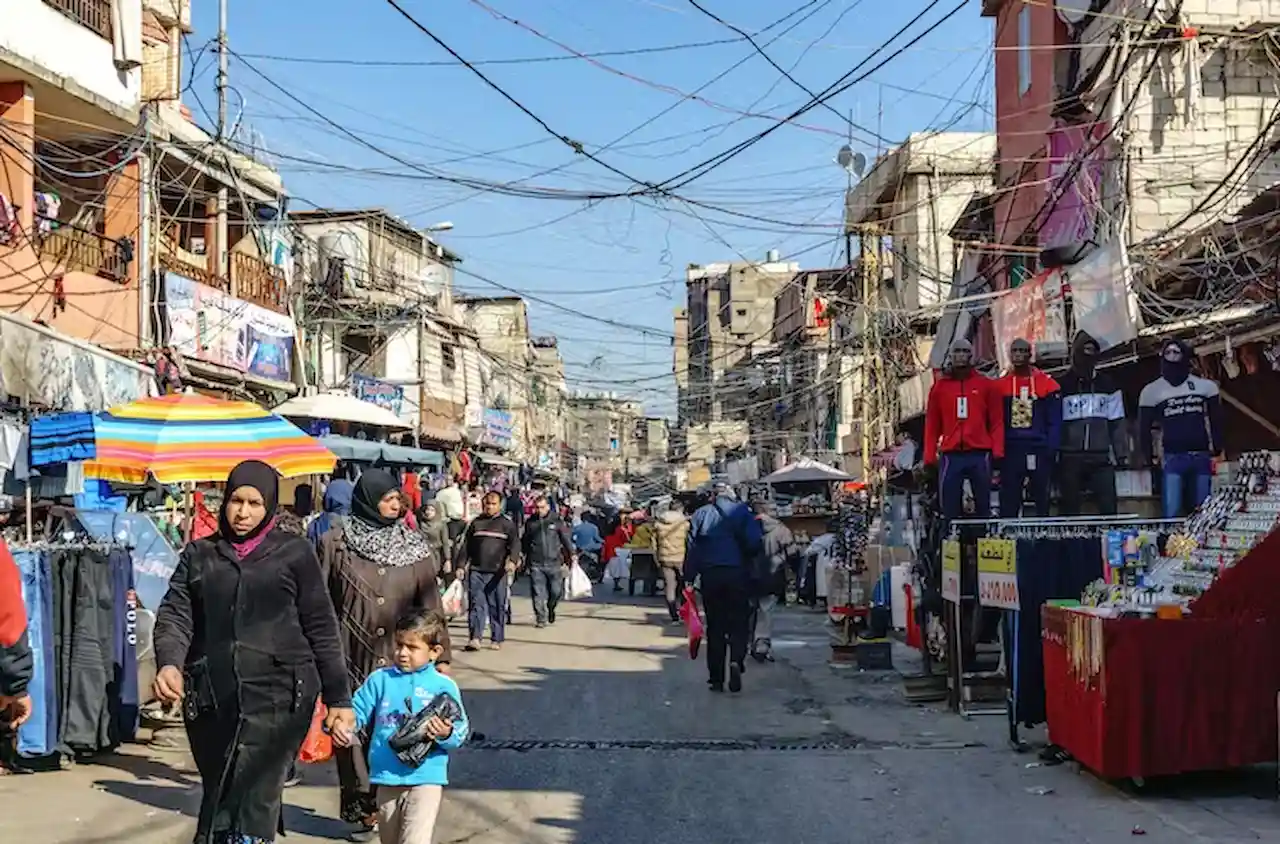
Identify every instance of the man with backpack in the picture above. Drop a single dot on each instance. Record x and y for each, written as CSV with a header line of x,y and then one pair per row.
x,y
725,549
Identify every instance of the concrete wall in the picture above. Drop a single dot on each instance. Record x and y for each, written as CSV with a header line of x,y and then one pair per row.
x,y
33,32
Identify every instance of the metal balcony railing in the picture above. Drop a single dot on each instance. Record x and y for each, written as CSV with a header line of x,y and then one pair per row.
x,y
258,282
78,250
91,14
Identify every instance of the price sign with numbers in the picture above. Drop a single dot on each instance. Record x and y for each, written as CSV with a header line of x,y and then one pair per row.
x,y
951,571
998,574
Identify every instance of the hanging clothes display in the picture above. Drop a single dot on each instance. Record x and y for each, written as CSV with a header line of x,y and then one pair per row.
x,y
61,438
39,735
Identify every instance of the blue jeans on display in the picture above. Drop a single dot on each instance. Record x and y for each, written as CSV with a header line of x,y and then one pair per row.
x,y
39,736
488,599
1192,470
953,468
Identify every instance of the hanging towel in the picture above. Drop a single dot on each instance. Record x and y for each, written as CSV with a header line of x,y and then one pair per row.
x,y
126,34
61,438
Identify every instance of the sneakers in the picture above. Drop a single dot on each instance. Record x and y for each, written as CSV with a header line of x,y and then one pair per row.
x,y
495,646
539,624
473,645
735,677
715,687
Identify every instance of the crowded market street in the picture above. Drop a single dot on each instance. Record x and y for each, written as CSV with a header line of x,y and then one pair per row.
x,y
601,729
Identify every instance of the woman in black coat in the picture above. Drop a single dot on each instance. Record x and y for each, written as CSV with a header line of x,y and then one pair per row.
x,y
247,639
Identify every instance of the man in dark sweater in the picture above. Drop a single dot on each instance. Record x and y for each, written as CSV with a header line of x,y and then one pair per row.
x,y
487,552
547,549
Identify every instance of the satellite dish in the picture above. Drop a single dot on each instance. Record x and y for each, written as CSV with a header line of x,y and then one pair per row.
x,y
850,161
1073,11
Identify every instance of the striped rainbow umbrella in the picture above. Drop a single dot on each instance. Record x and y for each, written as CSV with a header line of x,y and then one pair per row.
x,y
188,437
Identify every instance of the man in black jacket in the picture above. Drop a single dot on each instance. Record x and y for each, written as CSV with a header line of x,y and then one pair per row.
x,y
547,548
1094,437
486,553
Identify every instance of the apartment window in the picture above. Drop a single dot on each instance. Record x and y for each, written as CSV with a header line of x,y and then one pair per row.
x,y
92,14
1024,50
448,364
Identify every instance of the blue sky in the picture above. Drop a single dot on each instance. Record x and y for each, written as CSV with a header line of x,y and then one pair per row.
x,y
444,118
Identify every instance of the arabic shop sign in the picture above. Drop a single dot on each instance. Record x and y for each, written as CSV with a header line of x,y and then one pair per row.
x,y
498,428
389,396
998,574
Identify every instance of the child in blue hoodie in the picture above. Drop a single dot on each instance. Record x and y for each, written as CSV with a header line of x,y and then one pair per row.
x,y
408,798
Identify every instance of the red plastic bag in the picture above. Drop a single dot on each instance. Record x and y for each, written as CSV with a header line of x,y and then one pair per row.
x,y
692,621
317,747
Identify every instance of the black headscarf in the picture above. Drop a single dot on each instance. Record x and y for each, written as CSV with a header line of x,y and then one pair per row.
x,y
369,490
302,503
265,480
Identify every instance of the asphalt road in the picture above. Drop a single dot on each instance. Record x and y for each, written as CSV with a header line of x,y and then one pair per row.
x,y
600,730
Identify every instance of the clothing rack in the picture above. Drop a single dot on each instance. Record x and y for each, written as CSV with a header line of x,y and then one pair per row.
x,y
1034,528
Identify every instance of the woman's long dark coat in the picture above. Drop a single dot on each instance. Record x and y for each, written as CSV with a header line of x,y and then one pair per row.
x,y
257,640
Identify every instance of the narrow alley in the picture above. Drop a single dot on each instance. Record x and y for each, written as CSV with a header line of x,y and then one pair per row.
x,y
600,729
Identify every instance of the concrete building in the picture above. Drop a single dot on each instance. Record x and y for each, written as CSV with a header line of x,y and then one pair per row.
x,y
549,398
728,319
603,434
70,90
502,326
379,306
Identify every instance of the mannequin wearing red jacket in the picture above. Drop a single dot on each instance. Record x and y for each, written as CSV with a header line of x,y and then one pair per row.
x,y
963,433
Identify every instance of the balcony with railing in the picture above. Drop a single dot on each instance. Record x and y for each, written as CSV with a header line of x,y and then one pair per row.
x,y
258,282
94,15
78,250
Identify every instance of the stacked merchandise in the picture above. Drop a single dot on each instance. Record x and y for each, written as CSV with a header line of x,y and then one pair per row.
x,y
1226,527
816,505
848,557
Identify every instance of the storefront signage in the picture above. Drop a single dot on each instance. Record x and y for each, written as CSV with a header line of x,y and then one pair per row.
x,y
1034,312
41,366
389,396
497,428
951,571
208,325
998,574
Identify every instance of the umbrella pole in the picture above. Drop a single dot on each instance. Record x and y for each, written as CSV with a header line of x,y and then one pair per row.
x,y
26,403
188,506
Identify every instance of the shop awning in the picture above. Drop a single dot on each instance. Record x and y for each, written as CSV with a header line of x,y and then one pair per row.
x,y
350,448
495,460
804,471
403,455
340,407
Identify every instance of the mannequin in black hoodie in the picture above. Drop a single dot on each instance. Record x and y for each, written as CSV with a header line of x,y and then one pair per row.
x,y
1094,439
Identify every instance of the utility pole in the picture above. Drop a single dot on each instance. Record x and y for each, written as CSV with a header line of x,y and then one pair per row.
x,y
222,245
869,270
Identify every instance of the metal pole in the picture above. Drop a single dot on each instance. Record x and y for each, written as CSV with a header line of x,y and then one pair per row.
x,y
222,245
867,266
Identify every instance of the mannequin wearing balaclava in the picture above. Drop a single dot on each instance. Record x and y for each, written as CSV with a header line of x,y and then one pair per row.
x,y
1188,411
1032,408
963,433
1093,437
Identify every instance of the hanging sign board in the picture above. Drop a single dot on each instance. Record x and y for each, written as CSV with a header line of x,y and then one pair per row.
x,y
951,571
998,574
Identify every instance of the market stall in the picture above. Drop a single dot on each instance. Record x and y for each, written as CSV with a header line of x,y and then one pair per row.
x,y
1172,664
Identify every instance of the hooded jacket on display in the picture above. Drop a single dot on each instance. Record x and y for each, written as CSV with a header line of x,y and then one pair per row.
x,y
963,414
1092,407
1186,408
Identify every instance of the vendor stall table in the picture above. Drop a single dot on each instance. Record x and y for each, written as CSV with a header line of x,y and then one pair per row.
x,y
1137,698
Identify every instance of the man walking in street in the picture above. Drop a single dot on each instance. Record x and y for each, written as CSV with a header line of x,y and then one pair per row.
x,y
724,545
487,552
547,549
781,553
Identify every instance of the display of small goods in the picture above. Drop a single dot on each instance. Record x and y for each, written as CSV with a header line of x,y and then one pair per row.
x,y
1222,530
804,505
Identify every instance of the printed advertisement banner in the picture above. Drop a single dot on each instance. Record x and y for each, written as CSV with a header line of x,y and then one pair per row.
x,y
211,326
1034,312
389,396
499,428
38,366
1076,155
1100,297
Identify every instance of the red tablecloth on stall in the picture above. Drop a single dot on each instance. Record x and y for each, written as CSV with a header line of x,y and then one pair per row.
x,y
1142,698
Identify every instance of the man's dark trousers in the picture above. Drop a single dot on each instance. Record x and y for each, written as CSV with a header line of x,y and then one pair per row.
x,y
548,588
489,602
726,599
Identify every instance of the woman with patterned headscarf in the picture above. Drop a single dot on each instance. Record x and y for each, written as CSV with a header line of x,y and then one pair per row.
x,y
377,569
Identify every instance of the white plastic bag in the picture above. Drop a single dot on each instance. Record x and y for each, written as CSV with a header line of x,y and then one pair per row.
x,y
579,585
451,600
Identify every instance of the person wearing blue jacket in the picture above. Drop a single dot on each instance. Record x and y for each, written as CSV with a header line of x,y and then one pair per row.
x,y
725,545
408,797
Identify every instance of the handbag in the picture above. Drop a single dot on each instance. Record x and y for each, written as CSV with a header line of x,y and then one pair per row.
x,y
410,742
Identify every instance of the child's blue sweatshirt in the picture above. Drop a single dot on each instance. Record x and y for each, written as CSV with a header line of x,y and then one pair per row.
x,y
381,700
